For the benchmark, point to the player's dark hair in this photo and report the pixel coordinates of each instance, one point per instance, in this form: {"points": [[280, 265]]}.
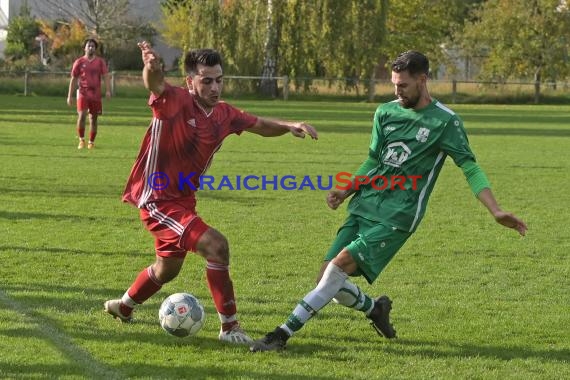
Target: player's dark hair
{"points": [[91, 40], [412, 61], [206, 57]]}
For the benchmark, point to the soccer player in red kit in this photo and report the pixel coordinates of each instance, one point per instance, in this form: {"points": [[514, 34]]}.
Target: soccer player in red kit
{"points": [[187, 128], [86, 75]]}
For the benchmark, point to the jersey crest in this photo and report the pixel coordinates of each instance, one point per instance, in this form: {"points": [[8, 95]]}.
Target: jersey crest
{"points": [[397, 153], [422, 135]]}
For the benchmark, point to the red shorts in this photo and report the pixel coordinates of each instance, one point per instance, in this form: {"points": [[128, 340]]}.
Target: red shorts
{"points": [[175, 226], [94, 106]]}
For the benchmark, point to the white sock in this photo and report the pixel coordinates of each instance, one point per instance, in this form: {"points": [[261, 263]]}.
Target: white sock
{"points": [[128, 301], [331, 282], [227, 319], [352, 296]]}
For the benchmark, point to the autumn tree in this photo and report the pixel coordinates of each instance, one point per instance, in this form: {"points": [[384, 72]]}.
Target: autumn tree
{"points": [[111, 22], [65, 39], [21, 39], [520, 40]]}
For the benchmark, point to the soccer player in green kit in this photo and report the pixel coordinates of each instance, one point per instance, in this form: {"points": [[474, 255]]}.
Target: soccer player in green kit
{"points": [[411, 138]]}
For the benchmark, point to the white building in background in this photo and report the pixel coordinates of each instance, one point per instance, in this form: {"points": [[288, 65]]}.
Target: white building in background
{"points": [[6, 10], [146, 9]]}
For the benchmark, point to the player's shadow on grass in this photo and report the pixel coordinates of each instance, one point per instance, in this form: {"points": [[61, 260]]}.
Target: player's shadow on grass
{"points": [[196, 370], [458, 349], [304, 345], [211, 371]]}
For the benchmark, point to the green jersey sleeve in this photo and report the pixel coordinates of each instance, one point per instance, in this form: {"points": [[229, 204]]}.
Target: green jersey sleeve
{"points": [[371, 161], [376, 137], [369, 164], [475, 177], [454, 141]]}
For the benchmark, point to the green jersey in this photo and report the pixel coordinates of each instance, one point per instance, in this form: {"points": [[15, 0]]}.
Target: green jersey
{"points": [[410, 147]]}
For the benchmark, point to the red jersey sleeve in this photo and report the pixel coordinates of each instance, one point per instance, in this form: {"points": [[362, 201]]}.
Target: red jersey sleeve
{"points": [[238, 120]]}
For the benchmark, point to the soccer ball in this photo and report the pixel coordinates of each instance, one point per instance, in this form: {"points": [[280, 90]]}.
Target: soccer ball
{"points": [[181, 314]]}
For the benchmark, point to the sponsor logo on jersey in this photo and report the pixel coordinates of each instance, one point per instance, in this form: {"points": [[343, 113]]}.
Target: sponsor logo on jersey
{"points": [[390, 128], [422, 135], [397, 153], [191, 122]]}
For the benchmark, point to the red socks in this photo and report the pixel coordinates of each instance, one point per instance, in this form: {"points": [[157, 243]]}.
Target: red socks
{"points": [[219, 283], [81, 134], [145, 285], [222, 290]]}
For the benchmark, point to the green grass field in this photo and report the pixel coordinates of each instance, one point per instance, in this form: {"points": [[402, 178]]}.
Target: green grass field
{"points": [[472, 300]]}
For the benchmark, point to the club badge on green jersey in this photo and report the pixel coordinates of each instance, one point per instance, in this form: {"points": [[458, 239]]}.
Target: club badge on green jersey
{"points": [[422, 135], [396, 154]]}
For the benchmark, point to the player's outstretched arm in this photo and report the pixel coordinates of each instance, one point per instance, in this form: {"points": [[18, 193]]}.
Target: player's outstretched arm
{"points": [[271, 128], [153, 76], [505, 218]]}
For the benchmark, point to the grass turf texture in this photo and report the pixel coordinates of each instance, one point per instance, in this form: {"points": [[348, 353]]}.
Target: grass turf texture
{"points": [[471, 299]]}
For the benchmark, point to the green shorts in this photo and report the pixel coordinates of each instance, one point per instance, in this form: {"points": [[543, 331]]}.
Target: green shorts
{"points": [[371, 244]]}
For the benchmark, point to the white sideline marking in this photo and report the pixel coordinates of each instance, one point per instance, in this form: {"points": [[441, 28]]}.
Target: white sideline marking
{"points": [[61, 341]]}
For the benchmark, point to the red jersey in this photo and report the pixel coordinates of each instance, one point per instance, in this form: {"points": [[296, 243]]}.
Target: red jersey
{"points": [[179, 146], [89, 73]]}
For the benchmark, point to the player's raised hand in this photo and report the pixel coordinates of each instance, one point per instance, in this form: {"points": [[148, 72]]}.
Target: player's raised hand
{"points": [[153, 76], [150, 58], [301, 129]]}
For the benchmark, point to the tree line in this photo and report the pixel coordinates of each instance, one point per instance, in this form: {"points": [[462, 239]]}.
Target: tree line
{"points": [[303, 39]]}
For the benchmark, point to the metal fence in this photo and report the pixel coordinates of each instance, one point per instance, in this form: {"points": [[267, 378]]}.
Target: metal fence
{"points": [[130, 84], [122, 83]]}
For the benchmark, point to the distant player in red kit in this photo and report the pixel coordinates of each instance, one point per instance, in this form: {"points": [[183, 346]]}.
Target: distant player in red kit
{"points": [[187, 128], [86, 77]]}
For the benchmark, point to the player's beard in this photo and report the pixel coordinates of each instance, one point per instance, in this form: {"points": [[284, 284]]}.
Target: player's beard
{"points": [[206, 102], [411, 101]]}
